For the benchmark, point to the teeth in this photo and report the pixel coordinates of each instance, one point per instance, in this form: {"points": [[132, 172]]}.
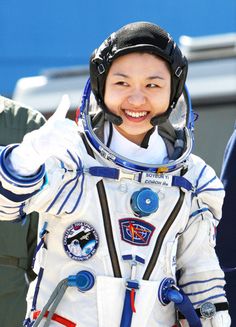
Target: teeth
{"points": [[136, 114]]}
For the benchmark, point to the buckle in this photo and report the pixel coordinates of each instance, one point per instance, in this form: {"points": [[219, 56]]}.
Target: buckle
{"points": [[124, 175], [132, 284], [178, 71], [101, 69]]}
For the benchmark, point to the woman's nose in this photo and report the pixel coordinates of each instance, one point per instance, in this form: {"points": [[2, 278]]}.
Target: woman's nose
{"points": [[137, 98]]}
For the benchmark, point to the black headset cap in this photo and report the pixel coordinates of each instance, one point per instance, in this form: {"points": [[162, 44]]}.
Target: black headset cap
{"points": [[138, 37]]}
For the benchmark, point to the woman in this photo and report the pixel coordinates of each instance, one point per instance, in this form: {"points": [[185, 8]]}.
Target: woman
{"points": [[124, 189]]}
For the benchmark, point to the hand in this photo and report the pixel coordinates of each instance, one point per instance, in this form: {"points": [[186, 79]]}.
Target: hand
{"points": [[220, 319], [54, 139]]}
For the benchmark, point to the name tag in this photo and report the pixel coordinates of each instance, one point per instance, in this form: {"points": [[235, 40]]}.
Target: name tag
{"points": [[160, 180]]}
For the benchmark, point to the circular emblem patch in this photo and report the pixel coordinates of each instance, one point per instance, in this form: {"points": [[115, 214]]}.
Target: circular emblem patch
{"points": [[80, 241]]}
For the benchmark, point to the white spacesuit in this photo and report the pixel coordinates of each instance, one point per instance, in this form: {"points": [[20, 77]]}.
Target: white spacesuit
{"points": [[121, 241]]}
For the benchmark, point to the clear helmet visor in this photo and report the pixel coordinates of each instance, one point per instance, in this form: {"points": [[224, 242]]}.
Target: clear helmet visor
{"points": [[182, 115], [181, 118]]}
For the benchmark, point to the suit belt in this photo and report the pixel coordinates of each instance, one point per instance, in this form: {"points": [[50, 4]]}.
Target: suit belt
{"points": [[13, 262]]}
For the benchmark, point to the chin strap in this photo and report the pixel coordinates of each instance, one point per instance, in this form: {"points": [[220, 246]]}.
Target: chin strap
{"points": [[158, 120], [114, 119]]}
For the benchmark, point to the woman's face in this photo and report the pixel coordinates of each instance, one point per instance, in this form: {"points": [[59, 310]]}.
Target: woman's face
{"points": [[137, 88]]}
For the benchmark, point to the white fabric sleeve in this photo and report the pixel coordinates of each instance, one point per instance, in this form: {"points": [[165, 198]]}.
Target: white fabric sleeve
{"points": [[201, 277]]}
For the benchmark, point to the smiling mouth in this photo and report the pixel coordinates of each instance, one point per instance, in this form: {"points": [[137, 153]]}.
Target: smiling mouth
{"points": [[136, 114]]}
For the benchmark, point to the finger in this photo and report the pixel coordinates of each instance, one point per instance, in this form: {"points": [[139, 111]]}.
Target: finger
{"points": [[62, 108]]}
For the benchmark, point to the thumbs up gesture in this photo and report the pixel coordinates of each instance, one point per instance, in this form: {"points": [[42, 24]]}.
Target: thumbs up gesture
{"points": [[61, 111], [58, 136]]}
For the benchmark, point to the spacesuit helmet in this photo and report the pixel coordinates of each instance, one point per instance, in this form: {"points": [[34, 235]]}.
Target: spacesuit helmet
{"points": [[175, 126], [138, 37]]}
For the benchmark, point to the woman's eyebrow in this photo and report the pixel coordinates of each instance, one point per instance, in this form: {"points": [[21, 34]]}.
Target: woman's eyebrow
{"points": [[155, 77], [148, 78], [121, 75]]}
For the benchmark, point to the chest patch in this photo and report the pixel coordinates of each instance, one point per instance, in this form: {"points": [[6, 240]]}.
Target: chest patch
{"points": [[136, 231], [80, 241]]}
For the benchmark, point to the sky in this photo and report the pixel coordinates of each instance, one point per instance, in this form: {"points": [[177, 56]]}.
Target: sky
{"points": [[36, 35]]}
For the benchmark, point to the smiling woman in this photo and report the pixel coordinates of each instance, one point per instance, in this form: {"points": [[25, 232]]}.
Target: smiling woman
{"points": [[137, 89], [122, 199]]}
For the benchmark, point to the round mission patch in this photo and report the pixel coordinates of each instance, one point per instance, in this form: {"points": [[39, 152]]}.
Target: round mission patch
{"points": [[80, 241]]}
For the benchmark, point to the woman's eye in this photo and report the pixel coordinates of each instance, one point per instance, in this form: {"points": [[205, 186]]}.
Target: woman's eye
{"points": [[152, 85], [122, 83]]}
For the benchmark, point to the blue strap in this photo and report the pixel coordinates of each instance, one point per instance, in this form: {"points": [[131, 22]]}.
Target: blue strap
{"points": [[37, 287], [106, 172], [127, 313], [127, 257], [41, 243], [139, 259], [180, 181], [38, 247], [131, 286], [114, 173], [187, 309], [168, 292]]}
